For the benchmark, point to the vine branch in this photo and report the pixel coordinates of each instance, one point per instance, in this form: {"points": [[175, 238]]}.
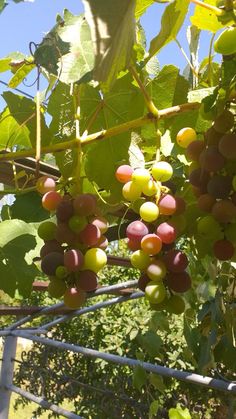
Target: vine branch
{"points": [[214, 9], [150, 105]]}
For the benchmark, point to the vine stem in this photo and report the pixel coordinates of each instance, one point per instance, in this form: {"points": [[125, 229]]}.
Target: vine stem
{"points": [[150, 105], [186, 58], [214, 9], [210, 60], [17, 191], [110, 132], [38, 130]]}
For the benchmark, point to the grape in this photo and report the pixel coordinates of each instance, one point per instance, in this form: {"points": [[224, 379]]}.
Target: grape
{"points": [[65, 209], [205, 202], [65, 235], [51, 200], [211, 159], [167, 204], [56, 287], [223, 249], [230, 233], [95, 259], [124, 173], [149, 211], [155, 293], [194, 150], [90, 235], [224, 122], [102, 243], [162, 171], [135, 206], [85, 204], [131, 191], [180, 205], [136, 231], [225, 43], [141, 177], [49, 247], [227, 146], [50, 263], [175, 260], [175, 304], [151, 244], [140, 260], [45, 184], [87, 281], [151, 188], [134, 244], [156, 271], [178, 281], [199, 178], [219, 186], [143, 281], [73, 260], [186, 136], [101, 223], [61, 272], [47, 230], [209, 228], [224, 211], [179, 223], [212, 137], [74, 298], [77, 223], [167, 232]]}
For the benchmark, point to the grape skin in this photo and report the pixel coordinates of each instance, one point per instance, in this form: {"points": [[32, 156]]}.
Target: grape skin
{"points": [[50, 263], [73, 260], [124, 173]]}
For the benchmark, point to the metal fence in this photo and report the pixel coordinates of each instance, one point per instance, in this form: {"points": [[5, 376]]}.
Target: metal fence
{"points": [[39, 334]]}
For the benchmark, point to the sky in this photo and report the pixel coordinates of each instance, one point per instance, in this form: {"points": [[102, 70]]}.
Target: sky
{"points": [[29, 21]]}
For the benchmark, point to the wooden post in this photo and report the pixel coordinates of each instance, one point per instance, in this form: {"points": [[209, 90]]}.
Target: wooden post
{"points": [[6, 375]]}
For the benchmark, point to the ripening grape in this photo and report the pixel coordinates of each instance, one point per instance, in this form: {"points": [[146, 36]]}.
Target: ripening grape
{"points": [[186, 136], [56, 287], [47, 230], [87, 281], [102, 243], [149, 211], [175, 260], [45, 184], [141, 177], [225, 121], [230, 233], [65, 235], [94, 259], [143, 281], [131, 191], [49, 247], [209, 228], [50, 263], [225, 43], [61, 272], [85, 204], [140, 260], [65, 209], [162, 171], [124, 173], [51, 200], [211, 159], [155, 293], [205, 202], [167, 204], [74, 298], [227, 146], [167, 232], [73, 260], [101, 223], [151, 188], [224, 211], [90, 235], [136, 231], [175, 304], [223, 249], [151, 244], [134, 244], [178, 281], [77, 223], [212, 137], [194, 150], [199, 178], [156, 271], [219, 186]]}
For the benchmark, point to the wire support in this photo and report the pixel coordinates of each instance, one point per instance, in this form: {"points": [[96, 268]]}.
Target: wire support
{"points": [[187, 376]]}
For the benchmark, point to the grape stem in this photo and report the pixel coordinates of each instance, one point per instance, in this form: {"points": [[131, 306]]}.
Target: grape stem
{"points": [[110, 132], [150, 105], [214, 9]]}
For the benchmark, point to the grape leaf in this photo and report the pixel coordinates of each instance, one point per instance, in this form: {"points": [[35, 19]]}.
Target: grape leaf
{"points": [[205, 19], [11, 132], [179, 413], [112, 26], [171, 22], [17, 238], [21, 205], [61, 108], [20, 74], [139, 377], [141, 7]]}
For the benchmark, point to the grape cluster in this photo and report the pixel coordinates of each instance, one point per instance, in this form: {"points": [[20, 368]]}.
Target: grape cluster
{"points": [[212, 175], [73, 251], [152, 237]]}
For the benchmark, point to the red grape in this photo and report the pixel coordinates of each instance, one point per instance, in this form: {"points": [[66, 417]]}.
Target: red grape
{"points": [[73, 260], [167, 232], [124, 173]]}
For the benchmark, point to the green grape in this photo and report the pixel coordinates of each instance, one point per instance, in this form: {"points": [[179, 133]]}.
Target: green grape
{"points": [[230, 233], [140, 260], [225, 44], [77, 223], [94, 259], [74, 298], [45, 184], [141, 177], [61, 272], [155, 293], [151, 188], [162, 171], [176, 304], [156, 271], [131, 191], [209, 228], [186, 136], [149, 211], [47, 230], [56, 287]]}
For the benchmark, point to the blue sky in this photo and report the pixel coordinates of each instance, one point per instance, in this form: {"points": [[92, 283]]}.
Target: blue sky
{"points": [[29, 21]]}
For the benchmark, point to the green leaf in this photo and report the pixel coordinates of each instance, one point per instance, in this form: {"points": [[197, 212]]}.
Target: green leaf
{"points": [[80, 60], [17, 238], [20, 74], [112, 26], [28, 207], [171, 22], [205, 19], [2, 5], [151, 343], [139, 377], [142, 6], [179, 413], [61, 108], [157, 382], [67, 162], [11, 132], [199, 94], [153, 409]]}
